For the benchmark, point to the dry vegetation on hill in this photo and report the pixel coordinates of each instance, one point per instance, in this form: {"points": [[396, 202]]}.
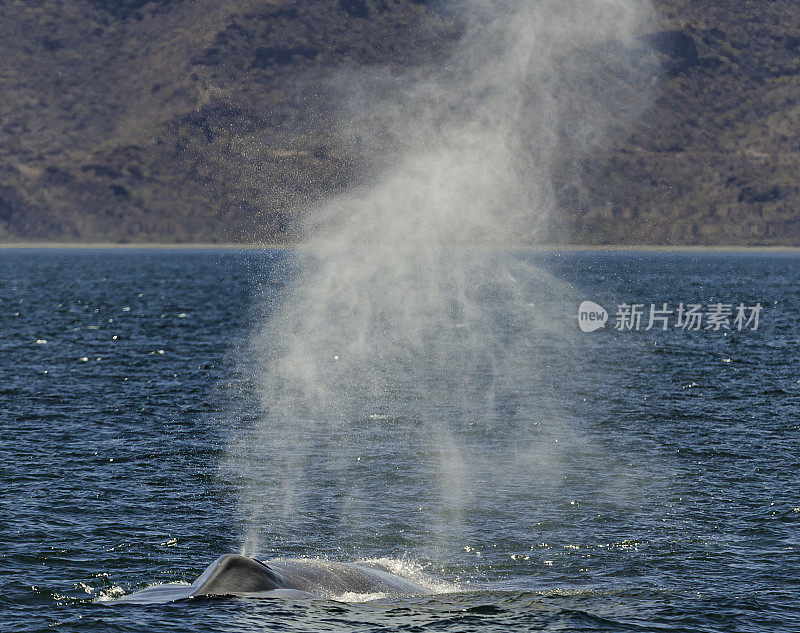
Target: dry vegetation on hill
{"points": [[212, 120]]}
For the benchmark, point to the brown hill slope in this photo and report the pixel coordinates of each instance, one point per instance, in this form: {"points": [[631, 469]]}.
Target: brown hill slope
{"points": [[716, 158], [212, 120]]}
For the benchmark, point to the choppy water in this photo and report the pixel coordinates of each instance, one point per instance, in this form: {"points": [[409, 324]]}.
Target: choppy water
{"points": [[677, 508]]}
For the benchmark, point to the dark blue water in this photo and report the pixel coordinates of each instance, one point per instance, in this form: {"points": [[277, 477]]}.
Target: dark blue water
{"points": [[675, 507]]}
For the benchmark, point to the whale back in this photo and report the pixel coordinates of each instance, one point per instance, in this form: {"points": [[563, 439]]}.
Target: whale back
{"points": [[331, 578], [229, 575], [234, 575]]}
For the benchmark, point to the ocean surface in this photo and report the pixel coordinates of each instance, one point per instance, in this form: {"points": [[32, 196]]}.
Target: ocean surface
{"points": [[661, 490]]}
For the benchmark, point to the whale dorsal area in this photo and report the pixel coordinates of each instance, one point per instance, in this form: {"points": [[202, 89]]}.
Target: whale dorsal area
{"points": [[235, 575]]}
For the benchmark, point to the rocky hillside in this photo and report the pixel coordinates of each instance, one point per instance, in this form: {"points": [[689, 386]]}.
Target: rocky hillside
{"points": [[715, 160], [211, 120]]}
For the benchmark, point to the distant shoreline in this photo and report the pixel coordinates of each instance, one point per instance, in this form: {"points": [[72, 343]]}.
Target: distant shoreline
{"points": [[271, 246], [200, 246]]}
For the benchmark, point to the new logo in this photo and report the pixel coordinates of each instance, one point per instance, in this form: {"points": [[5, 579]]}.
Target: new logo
{"points": [[591, 316]]}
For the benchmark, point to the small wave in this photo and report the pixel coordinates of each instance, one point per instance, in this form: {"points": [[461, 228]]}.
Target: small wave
{"points": [[109, 594], [350, 596], [414, 571]]}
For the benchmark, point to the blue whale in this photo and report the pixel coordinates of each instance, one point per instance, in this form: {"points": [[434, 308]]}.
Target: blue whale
{"points": [[240, 576]]}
